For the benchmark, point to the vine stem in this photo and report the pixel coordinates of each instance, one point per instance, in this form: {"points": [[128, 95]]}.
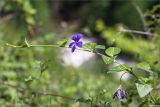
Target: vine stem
{"points": [[128, 70], [31, 45], [120, 80]]}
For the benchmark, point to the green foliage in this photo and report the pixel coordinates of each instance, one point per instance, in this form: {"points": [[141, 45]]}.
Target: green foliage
{"points": [[143, 89], [144, 66], [100, 47], [112, 51], [29, 72], [119, 68], [106, 59], [90, 46]]}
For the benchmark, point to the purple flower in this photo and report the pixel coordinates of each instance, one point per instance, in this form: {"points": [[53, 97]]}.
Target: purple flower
{"points": [[77, 43], [120, 94]]}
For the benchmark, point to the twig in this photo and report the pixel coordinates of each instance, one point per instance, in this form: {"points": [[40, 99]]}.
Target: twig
{"points": [[141, 16], [136, 31]]}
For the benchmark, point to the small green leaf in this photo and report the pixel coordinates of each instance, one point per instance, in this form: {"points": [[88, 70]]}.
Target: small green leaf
{"points": [[100, 47], [30, 20], [107, 59], [112, 51], [143, 89], [144, 66], [28, 79], [119, 68], [62, 43], [90, 46], [146, 80]]}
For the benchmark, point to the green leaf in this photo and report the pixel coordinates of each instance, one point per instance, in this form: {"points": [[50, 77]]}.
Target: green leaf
{"points": [[112, 51], [119, 68], [144, 66], [30, 20], [143, 89], [90, 46], [107, 59], [28, 79], [146, 80], [100, 47], [62, 43]]}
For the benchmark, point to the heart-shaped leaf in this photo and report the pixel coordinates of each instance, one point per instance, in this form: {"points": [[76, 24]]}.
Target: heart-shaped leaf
{"points": [[112, 51], [107, 59], [100, 47], [143, 89], [90, 46], [144, 66]]}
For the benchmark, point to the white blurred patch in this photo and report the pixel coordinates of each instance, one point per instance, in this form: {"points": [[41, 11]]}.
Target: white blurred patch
{"points": [[77, 58]]}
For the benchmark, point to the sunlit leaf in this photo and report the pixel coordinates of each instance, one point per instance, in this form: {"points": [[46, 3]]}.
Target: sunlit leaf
{"points": [[30, 20], [143, 89], [107, 59], [100, 47], [112, 51], [119, 68], [90, 46], [146, 80], [28, 79], [144, 66]]}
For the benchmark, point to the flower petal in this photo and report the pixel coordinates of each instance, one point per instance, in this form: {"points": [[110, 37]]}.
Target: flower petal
{"points": [[120, 94], [74, 37], [77, 37], [73, 48], [71, 44], [79, 44]]}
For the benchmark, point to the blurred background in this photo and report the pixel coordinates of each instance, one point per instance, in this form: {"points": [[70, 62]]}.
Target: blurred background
{"points": [[79, 74]]}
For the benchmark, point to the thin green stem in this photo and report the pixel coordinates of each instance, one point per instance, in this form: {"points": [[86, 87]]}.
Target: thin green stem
{"points": [[44, 46], [121, 77], [57, 46], [128, 70], [14, 46]]}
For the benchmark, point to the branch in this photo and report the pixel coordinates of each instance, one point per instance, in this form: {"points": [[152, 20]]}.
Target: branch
{"points": [[57, 46], [137, 32], [141, 16]]}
